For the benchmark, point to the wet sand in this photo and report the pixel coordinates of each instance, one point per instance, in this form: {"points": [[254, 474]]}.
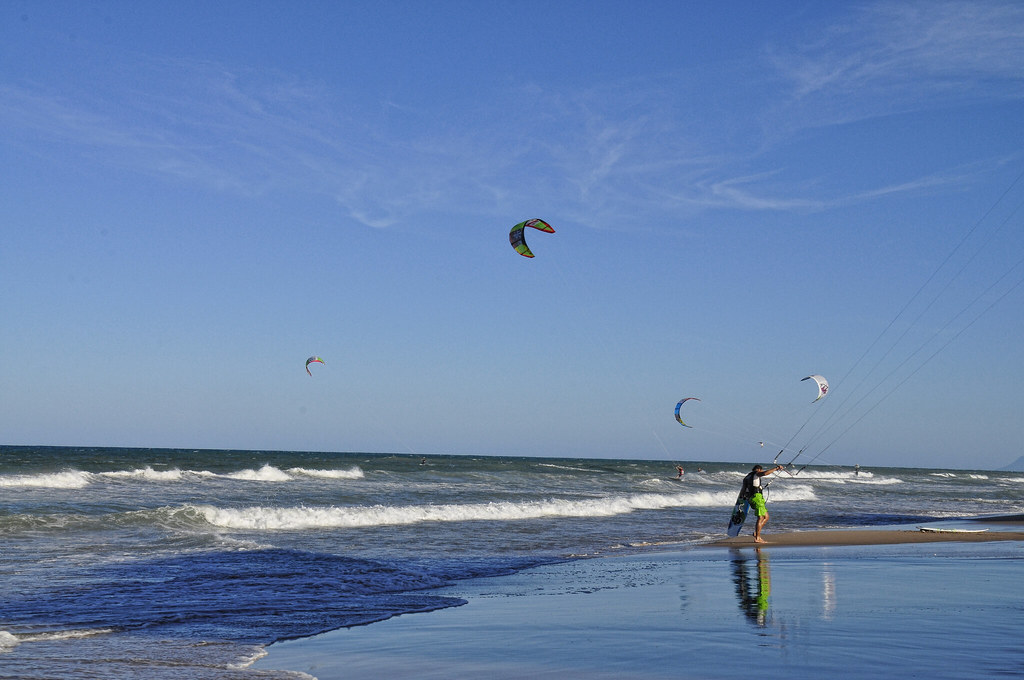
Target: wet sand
{"points": [[871, 537], [860, 603]]}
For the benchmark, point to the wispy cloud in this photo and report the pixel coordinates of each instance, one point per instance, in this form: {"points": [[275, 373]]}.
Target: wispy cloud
{"points": [[657, 145], [732, 192], [897, 56]]}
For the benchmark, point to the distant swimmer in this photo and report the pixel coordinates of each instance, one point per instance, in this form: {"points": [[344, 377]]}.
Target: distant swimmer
{"points": [[752, 491], [679, 472]]}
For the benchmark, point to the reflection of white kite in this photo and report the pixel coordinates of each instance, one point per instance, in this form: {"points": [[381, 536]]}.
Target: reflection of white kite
{"points": [[822, 385]]}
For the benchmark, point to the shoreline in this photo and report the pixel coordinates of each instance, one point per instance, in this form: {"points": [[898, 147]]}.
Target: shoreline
{"points": [[707, 605], [867, 537]]}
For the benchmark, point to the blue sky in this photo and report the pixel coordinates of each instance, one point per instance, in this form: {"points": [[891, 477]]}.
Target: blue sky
{"points": [[199, 196]]}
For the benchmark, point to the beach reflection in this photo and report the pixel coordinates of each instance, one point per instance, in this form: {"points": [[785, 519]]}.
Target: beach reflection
{"points": [[753, 582], [828, 592]]}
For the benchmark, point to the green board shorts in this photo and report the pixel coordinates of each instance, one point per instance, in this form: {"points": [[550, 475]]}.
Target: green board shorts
{"points": [[757, 503]]}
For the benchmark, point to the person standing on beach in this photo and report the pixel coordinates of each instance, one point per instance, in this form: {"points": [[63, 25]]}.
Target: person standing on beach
{"points": [[752, 491]]}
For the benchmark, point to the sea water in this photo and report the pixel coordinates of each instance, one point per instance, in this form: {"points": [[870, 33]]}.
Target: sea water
{"points": [[187, 564]]}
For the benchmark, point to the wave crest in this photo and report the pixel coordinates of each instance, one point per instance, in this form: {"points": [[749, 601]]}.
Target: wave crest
{"points": [[354, 473], [146, 473], [333, 517], [68, 479], [77, 479]]}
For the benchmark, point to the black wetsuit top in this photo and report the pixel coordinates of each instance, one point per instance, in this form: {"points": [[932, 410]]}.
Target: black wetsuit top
{"points": [[749, 489]]}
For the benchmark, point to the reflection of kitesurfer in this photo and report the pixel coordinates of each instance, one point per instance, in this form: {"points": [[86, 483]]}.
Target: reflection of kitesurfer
{"points": [[752, 489], [754, 596], [679, 472]]}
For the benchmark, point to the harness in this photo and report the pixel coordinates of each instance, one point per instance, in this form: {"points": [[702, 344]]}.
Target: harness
{"points": [[750, 489]]}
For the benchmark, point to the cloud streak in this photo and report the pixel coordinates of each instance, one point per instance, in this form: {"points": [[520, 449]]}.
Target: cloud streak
{"points": [[893, 57], [638, 148]]}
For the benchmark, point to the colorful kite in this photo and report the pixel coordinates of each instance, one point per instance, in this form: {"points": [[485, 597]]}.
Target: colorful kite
{"points": [[822, 385], [517, 237], [311, 360], [679, 406]]}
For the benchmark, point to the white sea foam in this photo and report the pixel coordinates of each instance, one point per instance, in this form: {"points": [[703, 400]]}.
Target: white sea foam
{"points": [[256, 654], [845, 477], [299, 518], [67, 634], [267, 473], [826, 474], [792, 492], [7, 641], [68, 479], [564, 467], [147, 473], [354, 473], [77, 479], [248, 658], [879, 481]]}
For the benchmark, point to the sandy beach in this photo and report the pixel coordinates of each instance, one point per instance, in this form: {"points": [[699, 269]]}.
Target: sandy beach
{"points": [[864, 603], [853, 537]]}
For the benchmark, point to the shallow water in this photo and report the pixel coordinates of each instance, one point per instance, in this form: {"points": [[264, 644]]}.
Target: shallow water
{"points": [[938, 611]]}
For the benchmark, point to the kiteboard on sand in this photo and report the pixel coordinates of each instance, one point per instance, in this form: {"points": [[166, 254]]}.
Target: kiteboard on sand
{"points": [[939, 530], [739, 515]]}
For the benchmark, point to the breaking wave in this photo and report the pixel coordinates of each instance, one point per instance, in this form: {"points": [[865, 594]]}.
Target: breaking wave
{"points": [[78, 479], [302, 517], [69, 479]]}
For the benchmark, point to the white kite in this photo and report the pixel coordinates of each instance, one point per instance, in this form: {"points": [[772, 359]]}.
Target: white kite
{"points": [[822, 385]]}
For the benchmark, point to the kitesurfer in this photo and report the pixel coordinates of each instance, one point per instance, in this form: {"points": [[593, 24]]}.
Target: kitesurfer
{"points": [[752, 491], [679, 471]]}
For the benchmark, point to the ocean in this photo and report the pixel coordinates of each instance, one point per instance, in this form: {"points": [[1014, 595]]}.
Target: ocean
{"points": [[183, 564]]}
